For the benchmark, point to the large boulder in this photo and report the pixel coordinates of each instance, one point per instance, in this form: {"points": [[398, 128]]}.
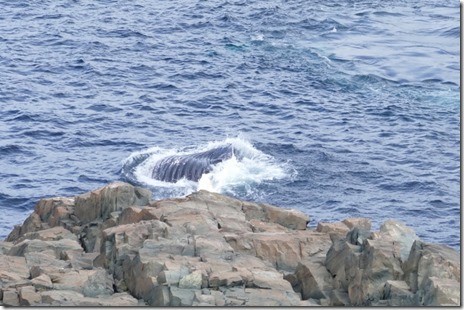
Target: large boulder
{"points": [[427, 261], [100, 203]]}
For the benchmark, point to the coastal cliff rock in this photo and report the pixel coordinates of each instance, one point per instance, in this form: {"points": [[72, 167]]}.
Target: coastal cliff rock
{"points": [[115, 247]]}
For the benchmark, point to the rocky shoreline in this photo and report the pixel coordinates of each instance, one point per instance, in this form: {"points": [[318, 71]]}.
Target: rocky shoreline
{"points": [[115, 247]]}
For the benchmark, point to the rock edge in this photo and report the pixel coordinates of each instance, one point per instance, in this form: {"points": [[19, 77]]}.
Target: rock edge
{"points": [[115, 247]]}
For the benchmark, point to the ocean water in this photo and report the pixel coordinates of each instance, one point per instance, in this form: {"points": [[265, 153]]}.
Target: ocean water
{"points": [[344, 108]]}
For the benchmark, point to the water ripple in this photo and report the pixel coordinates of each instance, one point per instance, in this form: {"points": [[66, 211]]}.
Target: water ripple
{"points": [[358, 98]]}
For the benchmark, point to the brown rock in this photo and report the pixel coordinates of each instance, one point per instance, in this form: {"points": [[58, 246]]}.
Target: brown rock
{"points": [[283, 250], [90, 283], [100, 203], [340, 252], [61, 298], [267, 298], [80, 260], [226, 278], [314, 278], [379, 263], [37, 245], [359, 222], [207, 247], [289, 218], [133, 215], [14, 268], [31, 223], [337, 230], [259, 226], [46, 259], [42, 283], [28, 296], [46, 207], [270, 279], [430, 260], [51, 234]]}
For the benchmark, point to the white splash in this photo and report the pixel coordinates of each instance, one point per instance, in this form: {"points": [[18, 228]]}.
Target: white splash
{"points": [[245, 171]]}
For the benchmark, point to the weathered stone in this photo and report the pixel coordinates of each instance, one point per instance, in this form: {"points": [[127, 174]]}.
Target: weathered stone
{"points": [[234, 296], [194, 221], [116, 196], [361, 223], [28, 296], [90, 283], [191, 281], [314, 278], [45, 259], [80, 260], [13, 268], [10, 298], [283, 250], [115, 300], [358, 236], [45, 207], [219, 298], [5, 247], [91, 236], [225, 278], [37, 245], [256, 297], [260, 226], [61, 298], [211, 250], [31, 223], [379, 262], [430, 260], [338, 298], [160, 297], [133, 215], [42, 282], [212, 247], [289, 218], [51, 234], [397, 293], [226, 224], [336, 230], [181, 297], [269, 279], [402, 236], [202, 299], [254, 211], [441, 292]]}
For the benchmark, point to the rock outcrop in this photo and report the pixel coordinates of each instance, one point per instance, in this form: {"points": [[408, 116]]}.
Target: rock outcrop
{"points": [[115, 247]]}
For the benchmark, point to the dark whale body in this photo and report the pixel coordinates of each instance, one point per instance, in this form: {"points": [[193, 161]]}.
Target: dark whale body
{"points": [[190, 166]]}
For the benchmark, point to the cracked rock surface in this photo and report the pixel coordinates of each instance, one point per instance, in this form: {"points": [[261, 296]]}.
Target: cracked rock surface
{"points": [[115, 247]]}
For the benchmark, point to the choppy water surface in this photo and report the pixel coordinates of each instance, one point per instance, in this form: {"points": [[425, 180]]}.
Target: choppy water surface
{"points": [[346, 108]]}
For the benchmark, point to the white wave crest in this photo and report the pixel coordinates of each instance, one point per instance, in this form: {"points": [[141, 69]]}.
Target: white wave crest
{"points": [[239, 173]]}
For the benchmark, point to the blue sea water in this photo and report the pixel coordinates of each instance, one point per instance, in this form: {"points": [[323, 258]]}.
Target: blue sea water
{"points": [[345, 108]]}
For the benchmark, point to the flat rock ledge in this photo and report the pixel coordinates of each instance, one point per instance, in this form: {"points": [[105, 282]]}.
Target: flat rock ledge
{"points": [[115, 247]]}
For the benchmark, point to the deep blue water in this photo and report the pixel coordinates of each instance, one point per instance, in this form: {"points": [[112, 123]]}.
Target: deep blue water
{"points": [[346, 108]]}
